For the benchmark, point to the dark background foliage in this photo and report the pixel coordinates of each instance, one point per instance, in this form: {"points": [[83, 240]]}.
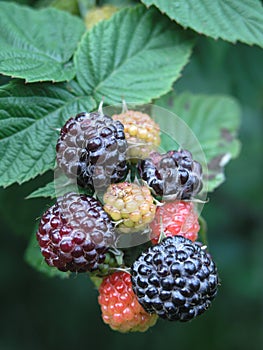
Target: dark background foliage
{"points": [[43, 313]]}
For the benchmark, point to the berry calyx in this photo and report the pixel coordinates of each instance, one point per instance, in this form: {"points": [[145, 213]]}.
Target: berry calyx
{"points": [[175, 218], [75, 234], [129, 204], [120, 307], [176, 279]]}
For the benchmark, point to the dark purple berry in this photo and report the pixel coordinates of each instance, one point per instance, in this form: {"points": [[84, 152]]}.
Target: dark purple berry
{"points": [[173, 175], [92, 149], [67, 241]]}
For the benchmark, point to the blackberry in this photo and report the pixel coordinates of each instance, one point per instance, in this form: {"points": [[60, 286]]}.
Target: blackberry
{"points": [[175, 218], [75, 234], [173, 175], [92, 148], [130, 204], [141, 131], [176, 279], [120, 307]]}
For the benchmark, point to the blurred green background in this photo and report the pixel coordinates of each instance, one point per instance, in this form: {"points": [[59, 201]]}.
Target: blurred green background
{"points": [[41, 313]]}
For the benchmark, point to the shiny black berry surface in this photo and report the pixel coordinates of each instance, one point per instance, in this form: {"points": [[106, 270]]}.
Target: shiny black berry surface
{"points": [[176, 279], [173, 175]]}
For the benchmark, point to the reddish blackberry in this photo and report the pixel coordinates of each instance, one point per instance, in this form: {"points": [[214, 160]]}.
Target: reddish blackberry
{"points": [[175, 218], [120, 307], [75, 233], [92, 148], [173, 175], [176, 279]]}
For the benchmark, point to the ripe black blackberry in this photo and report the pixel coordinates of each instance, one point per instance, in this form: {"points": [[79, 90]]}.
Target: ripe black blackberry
{"points": [[75, 234], [177, 279], [173, 175], [92, 148]]}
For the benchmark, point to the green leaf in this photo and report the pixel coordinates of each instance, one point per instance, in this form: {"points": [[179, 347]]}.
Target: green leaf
{"points": [[35, 259], [231, 20], [30, 119], [214, 120], [47, 191], [137, 54], [70, 6], [118, 3], [37, 45], [58, 187]]}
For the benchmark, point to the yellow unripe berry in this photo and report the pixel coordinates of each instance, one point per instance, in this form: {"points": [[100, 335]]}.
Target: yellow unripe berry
{"points": [[131, 205]]}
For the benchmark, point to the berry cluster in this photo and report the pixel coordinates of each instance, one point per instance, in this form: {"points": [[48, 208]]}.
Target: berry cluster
{"points": [[130, 190]]}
